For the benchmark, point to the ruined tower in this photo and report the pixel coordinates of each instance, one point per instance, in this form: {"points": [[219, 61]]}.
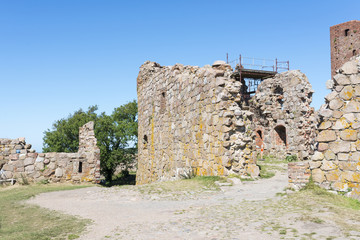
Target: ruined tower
{"points": [[344, 42]]}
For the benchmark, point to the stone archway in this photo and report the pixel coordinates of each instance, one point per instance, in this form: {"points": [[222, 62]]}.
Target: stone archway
{"points": [[280, 136], [259, 139]]}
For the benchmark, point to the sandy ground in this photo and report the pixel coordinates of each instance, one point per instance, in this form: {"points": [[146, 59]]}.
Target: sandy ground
{"points": [[247, 210]]}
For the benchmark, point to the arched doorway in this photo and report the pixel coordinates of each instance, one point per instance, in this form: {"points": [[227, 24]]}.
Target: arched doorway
{"points": [[280, 136], [259, 139]]}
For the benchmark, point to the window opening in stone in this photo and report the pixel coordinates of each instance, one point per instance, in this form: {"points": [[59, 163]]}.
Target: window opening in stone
{"points": [[162, 102], [145, 139], [278, 90], [281, 102], [354, 52], [80, 167], [347, 32], [280, 135]]}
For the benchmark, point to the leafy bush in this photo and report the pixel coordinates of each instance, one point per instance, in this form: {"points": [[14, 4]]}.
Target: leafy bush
{"points": [[291, 158]]}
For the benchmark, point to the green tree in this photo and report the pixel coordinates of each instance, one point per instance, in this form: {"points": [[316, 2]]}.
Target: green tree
{"points": [[117, 138], [116, 135], [64, 136]]}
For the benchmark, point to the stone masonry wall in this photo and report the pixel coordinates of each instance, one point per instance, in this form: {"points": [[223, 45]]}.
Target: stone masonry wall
{"points": [[190, 120], [20, 161], [284, 121], [336, 163], [298, 174]]}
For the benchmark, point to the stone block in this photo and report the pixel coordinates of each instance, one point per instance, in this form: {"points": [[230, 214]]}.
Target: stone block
{"points": [[318, 156], [331, 96], [343, 156], [325, 125], [341, 79], [253, 170], [326, 136], [352, 106], [322, 147], [39, 159], [347, 93], [8, 167], [336, 104], [326, 113], [329, 84], [349, 135], [58, 172], [341, 124], [355, 79], [30, 168], [52, 165], [349, 68], [340, 147], [318, 175], [314, 164], [329, 155], [29, 161], [355, 156], [357, 91], [348, 166], [332, 175], [39, 165], [328, 165], [350, 117], [340, 186], [351, 176], [337, 114]]}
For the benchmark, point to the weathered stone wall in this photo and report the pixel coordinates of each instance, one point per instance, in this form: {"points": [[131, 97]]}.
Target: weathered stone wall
{"points": [[190, 120], [336, 163], [284, 121], [298, 174], [20, 161], [345, 43]]}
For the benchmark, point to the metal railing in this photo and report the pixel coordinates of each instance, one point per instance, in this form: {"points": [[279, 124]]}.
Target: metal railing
{"points": [[258, 64]]}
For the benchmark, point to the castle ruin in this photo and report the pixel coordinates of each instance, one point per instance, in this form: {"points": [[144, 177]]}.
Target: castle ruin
{"points": [[18, 161], [197, 120], [208, 121]]}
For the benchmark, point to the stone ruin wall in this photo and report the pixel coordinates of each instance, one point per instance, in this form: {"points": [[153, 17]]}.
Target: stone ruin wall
{"points": [[285, 123], [336, 163], [18, 160], [190, 120]]}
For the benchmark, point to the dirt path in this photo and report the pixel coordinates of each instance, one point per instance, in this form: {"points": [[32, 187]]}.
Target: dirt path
{"points": [[248, 210]]}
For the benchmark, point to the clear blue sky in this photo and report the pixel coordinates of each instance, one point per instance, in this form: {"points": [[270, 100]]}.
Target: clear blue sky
{"points": [[59, 56]]}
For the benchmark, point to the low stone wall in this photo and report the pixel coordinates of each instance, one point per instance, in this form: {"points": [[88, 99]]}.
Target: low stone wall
{"points": [[299, 174], [20, 161]]}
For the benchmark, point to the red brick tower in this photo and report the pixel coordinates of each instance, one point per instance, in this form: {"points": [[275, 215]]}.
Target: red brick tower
{"points": [[344, 42]]}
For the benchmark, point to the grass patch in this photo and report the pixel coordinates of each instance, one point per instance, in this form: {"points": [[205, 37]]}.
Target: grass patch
{"points": [[270, 165], [331, 198], [22, 221]]}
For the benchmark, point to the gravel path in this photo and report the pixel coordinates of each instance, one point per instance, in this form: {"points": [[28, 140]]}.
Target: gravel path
{"points": [[247, 210]]}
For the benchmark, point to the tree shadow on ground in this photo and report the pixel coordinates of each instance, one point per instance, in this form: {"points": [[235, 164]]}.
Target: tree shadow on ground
{"points": [[124, 178]]}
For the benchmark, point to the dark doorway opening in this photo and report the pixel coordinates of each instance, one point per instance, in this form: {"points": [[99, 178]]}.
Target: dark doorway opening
{"points": [[80, 167], [280, 137]]}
